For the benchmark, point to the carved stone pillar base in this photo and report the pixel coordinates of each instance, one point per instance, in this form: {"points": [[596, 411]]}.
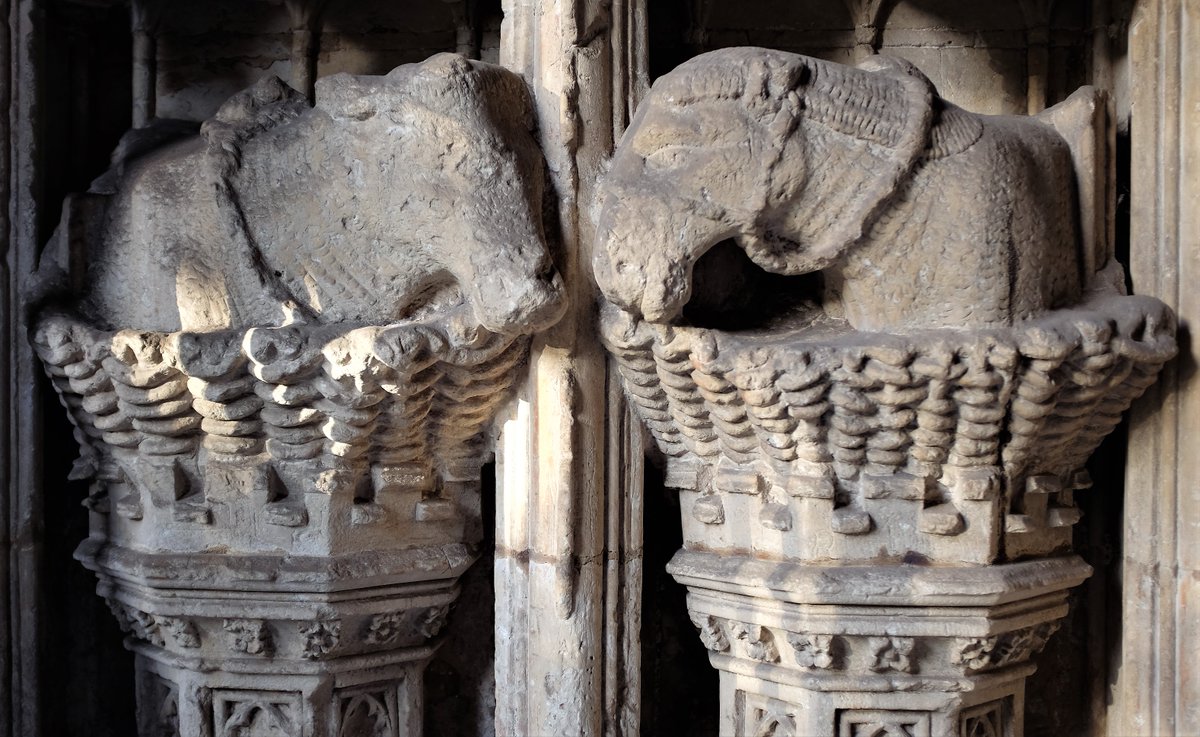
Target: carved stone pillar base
{"points": [[221, 703], [273, 645], [286, 418], [874, 651]]}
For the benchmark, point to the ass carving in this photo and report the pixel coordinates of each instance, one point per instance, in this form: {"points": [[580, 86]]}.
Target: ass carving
{"points": [[876, 338]]}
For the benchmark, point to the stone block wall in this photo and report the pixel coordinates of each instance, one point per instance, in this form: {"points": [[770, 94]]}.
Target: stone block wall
{"points": [[980, 55]]}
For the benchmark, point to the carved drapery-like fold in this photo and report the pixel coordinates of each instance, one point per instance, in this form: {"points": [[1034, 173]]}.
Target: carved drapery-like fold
{"points": [[929, 394]]}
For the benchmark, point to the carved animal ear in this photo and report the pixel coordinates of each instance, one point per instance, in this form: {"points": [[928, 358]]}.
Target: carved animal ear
{"points": [[502, 92], [348, 97], [896, 66], [264, 105], [505, 94], [883, 113], [249, 107]]}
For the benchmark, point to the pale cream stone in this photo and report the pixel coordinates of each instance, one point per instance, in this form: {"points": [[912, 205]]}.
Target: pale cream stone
{"points": [[878, 468]]}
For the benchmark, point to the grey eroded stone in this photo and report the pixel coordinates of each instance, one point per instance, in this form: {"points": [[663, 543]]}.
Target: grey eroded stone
{"points": [[958, 361], [918, 213], [924, 400], [367, 208], [296, 330]]}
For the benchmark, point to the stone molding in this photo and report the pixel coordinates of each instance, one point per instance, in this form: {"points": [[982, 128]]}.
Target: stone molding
{"points": [[1153, 679]]}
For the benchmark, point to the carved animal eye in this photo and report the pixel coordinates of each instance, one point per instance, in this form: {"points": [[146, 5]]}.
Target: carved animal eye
{"points": [[669, 156]]}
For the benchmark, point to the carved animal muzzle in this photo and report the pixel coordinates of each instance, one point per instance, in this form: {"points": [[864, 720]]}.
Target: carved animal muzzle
{"points": [[510, 302]]}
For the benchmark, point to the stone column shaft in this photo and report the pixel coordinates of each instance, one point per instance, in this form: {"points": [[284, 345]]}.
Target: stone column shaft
{"points": [[1157, 677], [146, 18]]}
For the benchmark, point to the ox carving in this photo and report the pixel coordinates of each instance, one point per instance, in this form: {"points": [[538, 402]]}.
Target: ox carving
{"points": [[365, 209], [876, 338], [323, 299], [285, 342]]}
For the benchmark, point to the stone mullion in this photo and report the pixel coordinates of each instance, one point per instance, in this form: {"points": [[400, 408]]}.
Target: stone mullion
{"points": [[551, 570], [1156, 675], [146, 16], [20, 405], [306, 21]]}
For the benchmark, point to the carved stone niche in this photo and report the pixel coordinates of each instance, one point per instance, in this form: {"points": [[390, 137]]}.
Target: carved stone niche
{"points": [[295, 330], [876, 337]]}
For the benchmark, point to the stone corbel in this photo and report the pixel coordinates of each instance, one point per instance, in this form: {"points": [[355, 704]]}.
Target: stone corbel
{"points": [[296, 330], [876, 341]]}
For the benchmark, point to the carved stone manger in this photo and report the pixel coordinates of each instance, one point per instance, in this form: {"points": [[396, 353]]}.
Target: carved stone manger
{"points": [[296, 330], [874, 335]]}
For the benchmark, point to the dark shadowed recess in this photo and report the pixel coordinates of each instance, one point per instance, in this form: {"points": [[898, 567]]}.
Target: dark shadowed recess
{"points": [[731, 292], [87, 674], [460, 681], [679, 686]]}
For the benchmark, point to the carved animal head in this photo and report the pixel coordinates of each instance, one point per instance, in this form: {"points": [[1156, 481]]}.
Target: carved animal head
{"points": [[792, 157], [401, 191]]}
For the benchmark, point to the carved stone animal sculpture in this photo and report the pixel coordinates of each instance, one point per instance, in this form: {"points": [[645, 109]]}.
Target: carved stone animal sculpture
{"points": [[918, 213], [363, 209]]}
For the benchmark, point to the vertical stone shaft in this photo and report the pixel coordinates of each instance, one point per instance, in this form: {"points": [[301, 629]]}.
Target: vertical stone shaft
{"points": [[303, 60], [549, 536], [305, 17], [1038, 63], [145, 76], [22, 501], [466, 29], [1157, 686], [567, 552]]}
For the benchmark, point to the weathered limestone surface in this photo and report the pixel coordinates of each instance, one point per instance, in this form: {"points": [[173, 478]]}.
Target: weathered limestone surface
{"points": [[568, 521], [1156, 679], [297, 327], [727, 148], [877, 459], [202, 53]]}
